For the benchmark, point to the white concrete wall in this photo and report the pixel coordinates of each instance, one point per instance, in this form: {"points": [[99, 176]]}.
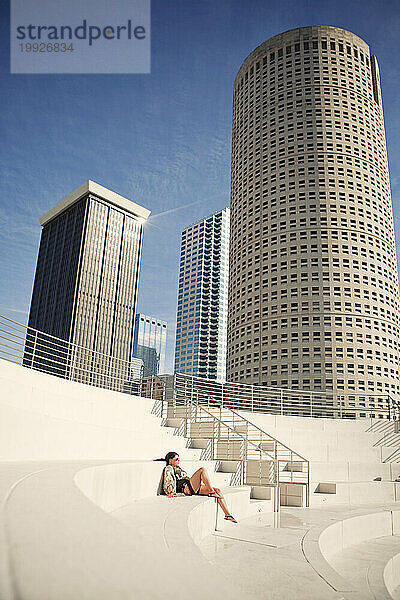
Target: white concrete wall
{"points": [[44, 417], [355, 530], [391, 575], [324, 440]]}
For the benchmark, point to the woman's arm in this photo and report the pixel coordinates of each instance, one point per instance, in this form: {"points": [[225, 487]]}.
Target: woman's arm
{"points": [[169, 481]]}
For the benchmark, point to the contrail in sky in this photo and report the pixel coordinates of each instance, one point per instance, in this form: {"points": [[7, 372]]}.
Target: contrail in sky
{"points": [[167, 212], [16, 310]]}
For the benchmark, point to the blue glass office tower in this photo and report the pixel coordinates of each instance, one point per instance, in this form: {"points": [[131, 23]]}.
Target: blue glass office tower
{"points": [[149, 343], [203, 298]]}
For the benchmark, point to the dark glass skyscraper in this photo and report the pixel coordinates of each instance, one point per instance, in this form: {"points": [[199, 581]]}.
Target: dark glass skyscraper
{"points": [[87, 274]]}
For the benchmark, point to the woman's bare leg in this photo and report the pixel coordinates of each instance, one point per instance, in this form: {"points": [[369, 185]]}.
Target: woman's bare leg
{"points": [[199, 477], [201, 481], [219, 496], [221, 502]]}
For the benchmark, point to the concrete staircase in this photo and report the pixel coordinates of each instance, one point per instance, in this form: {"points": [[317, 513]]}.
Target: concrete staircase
{"points": [[387, 438], [194, 453], [351, 461]]}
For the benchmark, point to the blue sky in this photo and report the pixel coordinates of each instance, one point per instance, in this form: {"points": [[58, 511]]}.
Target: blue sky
{"points": [[162, 140]]}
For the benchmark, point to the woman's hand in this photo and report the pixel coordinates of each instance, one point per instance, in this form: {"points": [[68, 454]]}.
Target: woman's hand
{"points": [[186, 490], [170, 492]]}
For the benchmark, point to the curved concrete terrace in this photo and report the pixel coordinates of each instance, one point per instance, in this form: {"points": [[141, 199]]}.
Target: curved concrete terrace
{"points": [[92, 532], [87, 525], [303, 554], [391, 576]]}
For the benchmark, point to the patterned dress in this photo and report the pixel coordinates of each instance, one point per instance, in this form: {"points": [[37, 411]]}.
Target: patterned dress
{"points": [[170, 478]]}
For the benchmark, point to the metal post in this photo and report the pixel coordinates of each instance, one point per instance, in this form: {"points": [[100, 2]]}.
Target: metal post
{"points": [[252, 398], [34, 348], [222, 395], [281, 393], [141, 380], [108, 374], [311, 403], [216, 514], [73, 363], [291, 467]]}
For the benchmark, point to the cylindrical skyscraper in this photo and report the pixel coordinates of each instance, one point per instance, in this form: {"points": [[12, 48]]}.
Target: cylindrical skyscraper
{"points": [[313, 291]]}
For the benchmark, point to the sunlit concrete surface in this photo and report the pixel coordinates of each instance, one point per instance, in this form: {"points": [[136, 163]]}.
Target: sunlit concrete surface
{"points": [[60, 542], [269, 556], [72, 456], [47, 418], [391, 576], [347, 453], [80, 519]]}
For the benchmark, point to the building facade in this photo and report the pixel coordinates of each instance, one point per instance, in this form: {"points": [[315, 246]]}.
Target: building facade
{"points": [[203, 298], [313, 293], [150, 342], [86, 279]]}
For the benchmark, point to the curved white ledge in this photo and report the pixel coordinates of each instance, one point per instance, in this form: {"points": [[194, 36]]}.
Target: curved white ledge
{"points": [[321, 545], [92, 532], [391, 574]]}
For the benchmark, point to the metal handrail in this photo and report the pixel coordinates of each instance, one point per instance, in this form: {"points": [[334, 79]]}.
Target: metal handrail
{"points": [[47, 353], [188, 411], [269, 435], [280, 401], [237, 433]]}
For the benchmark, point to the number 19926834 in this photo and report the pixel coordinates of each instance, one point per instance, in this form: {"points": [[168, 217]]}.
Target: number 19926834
{"points": [[43, 47]]}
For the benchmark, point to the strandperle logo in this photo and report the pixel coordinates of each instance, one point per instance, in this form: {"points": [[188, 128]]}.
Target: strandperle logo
{"points": [[53, 36], [86, 31]]}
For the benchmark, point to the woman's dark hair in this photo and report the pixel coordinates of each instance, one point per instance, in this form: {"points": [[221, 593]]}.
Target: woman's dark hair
{"points": [[167, 457]]}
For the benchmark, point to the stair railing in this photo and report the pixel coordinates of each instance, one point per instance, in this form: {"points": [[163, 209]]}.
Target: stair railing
{"points": [[292, 466], [261, 459]]}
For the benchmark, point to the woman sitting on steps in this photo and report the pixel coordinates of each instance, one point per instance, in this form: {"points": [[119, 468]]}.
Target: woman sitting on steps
{"points": [[175, 480]]}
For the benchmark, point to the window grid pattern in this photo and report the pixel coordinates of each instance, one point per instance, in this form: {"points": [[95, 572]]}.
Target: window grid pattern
{"points": [[313, 293], [86, 282], [202, 312]]}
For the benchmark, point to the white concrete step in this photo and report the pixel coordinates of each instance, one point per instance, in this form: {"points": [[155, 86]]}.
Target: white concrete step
{"points": [[174, 423], [228, 466], [258, 507], [220, 479], [349, 471], [395, 470], [198, 443], [391, 454], [261, 492], [189, 454], [356, 493], [333, 454], [386, 437], [324, 426]]}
